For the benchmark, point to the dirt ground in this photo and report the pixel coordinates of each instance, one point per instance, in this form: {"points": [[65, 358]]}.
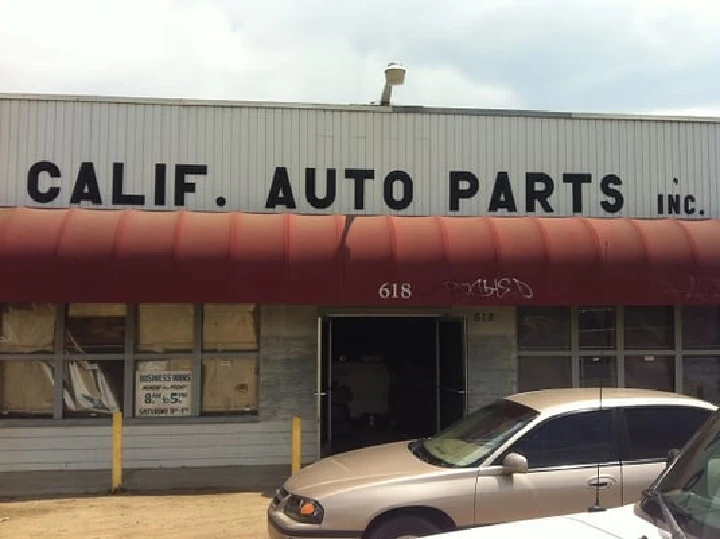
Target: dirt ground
{"points": [[239, 515]]}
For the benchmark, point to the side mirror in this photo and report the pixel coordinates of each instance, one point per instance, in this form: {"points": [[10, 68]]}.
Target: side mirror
{"points": [[514, 463], [671, 456]]}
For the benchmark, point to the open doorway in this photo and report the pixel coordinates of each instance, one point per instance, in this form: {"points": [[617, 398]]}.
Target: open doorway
{"points": [[385, 379]]}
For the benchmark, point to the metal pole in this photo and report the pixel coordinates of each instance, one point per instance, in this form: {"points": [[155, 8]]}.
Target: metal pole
{"points": [[438, 410], [117, 427], [296, 449]]}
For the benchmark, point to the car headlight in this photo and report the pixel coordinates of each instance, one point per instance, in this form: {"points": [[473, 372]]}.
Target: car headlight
{"points": [[304, 510]]}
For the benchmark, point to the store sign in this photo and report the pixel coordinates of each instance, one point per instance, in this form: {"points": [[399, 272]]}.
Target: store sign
{"points": [[264, 159], [350, 190], [162, 393]]}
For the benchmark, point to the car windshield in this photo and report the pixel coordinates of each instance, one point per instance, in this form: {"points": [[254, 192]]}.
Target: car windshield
{"points": [[686, 496], [473, 438]]}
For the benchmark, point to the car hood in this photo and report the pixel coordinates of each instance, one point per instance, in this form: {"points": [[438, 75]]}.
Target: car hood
{"points": [[361, 467], [619, 523]]}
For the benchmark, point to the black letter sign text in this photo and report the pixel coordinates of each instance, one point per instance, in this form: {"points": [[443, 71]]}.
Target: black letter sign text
{"points": [[33, 182], [459, 191]]}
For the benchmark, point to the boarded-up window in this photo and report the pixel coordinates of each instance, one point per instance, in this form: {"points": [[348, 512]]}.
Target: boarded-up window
{"points": [[229, 327], [26, 389], [229, 385], [165, 327], [27, 328]]}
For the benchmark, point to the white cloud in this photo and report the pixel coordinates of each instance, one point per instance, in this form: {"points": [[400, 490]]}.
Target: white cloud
{"points": [[465, 53], [704, 112], [440, 86], [194, 49]]}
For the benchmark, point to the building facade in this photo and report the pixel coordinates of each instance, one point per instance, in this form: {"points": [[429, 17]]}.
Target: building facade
{"points": [[212, 269]]}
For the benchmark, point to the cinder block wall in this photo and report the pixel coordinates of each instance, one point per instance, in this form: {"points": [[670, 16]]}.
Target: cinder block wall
{"points": [[288, 369], [491, 354]]}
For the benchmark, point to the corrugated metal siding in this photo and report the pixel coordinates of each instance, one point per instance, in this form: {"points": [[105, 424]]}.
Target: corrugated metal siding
{"points": [[161, 446], [242, 146]]}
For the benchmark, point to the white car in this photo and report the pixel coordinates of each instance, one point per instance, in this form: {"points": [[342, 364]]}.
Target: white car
{"points": [[682, 503], [618, 523]]}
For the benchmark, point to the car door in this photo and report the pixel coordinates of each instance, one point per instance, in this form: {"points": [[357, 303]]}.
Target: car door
{"points": [[568, 455], [649, 432]]}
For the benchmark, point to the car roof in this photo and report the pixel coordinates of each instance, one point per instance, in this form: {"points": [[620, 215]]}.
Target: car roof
{"points": [[551, 401]]}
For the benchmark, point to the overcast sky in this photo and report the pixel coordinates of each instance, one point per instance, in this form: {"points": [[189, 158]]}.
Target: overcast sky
{"points": [[581, 55]]}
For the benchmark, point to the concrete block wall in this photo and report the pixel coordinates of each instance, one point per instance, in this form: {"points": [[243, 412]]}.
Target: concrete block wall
{"points": [[491, 354], [288, 369]]}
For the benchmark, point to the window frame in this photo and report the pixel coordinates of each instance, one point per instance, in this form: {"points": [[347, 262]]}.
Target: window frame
{"points": [[521, 357], [619, 351], [614, 433], [575, 317], [682, 322], [116, 354], [130, 357], [571, 329]]}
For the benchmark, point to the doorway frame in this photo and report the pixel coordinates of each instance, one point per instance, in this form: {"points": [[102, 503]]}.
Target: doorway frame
{"points": [[322, 396]]}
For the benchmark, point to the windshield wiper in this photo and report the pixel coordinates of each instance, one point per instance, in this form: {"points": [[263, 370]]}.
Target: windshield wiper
{"points": [[676, 531], [418, 449]]}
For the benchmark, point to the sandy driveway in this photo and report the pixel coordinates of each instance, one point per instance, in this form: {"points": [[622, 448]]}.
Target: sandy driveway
{"points": [[240, 515]]}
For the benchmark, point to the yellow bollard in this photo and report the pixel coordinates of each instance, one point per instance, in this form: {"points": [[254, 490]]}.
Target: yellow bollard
{"points": [[116, 451], [296, 448]]}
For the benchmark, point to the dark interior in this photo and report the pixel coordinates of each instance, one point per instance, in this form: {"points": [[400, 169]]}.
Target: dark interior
{"points": [[383, 380]]}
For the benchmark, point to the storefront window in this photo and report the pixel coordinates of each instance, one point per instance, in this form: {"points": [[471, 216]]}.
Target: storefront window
{"points": [[163, 388], [649, 328], [93, 360], [165, 328], [597, 327], [650, 372], [598, 370], [95, 328], [701, 377], [229, 328], [27, 328], [543, 372], [229, 386], [26, 389], [543, 328], [701, 327], [93, 388]]}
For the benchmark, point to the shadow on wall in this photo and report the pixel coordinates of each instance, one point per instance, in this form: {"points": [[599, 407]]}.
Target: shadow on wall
{"points": [[15, 486]]}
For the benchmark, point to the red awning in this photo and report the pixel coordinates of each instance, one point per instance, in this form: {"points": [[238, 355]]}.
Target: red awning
{"points": [[143, 256]]}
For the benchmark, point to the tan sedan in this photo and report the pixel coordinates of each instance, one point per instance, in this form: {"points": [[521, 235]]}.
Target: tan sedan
{"points": [[541, 453]]}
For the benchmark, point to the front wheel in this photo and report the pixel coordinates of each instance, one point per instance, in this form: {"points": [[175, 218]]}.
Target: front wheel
{"points": [[404, 527]]}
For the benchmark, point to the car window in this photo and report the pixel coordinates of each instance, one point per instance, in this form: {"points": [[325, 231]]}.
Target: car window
{"points": [[569, 440], [689, 489], [652, 431], [470, 440]]}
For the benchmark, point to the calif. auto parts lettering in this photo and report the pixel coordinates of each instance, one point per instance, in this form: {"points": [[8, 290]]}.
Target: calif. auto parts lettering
{"points": [[46, 181]]}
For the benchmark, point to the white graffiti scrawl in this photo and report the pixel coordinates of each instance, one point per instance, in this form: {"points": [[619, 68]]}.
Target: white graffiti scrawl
{"points": [[693, 289], [497, 287]]}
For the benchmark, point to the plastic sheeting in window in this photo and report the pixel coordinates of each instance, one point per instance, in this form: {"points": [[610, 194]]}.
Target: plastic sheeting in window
{"points": [[87, 388]]}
